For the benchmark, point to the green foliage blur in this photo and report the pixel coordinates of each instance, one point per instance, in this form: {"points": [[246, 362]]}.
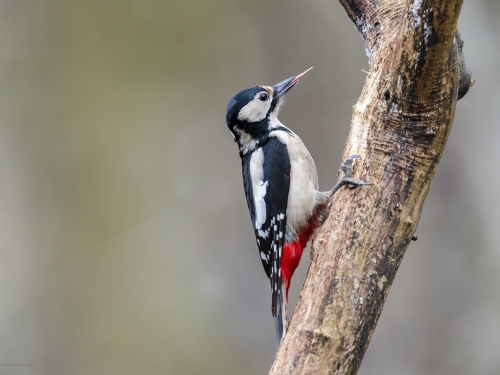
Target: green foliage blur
{"points": [[126, 245]]}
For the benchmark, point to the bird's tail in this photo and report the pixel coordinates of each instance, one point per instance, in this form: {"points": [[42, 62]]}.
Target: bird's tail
{"points": [[281, 316]]}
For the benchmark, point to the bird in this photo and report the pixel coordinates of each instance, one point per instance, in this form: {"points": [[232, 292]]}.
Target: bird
{"points": [[281, 186]]}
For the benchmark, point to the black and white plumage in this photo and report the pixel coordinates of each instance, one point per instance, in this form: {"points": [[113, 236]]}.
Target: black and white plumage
{"points": [[281, 186]]}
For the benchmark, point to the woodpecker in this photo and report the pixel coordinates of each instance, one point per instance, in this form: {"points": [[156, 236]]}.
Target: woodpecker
{"points": [[281, 186]]}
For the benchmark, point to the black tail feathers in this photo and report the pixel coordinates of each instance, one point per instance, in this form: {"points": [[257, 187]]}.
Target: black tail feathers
{"points": [[281, 317]]}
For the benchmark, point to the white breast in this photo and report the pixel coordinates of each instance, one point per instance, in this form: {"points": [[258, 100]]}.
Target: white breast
{"points": [[303, 181]]}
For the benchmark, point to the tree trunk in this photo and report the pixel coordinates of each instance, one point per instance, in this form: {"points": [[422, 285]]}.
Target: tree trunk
{"points": [[399, 127]]}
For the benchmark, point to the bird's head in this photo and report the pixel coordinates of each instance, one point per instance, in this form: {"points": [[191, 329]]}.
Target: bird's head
{"points": [[253, 113]]}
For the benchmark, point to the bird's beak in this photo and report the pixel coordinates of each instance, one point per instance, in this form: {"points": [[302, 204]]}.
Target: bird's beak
{"points": [[282, 88]]}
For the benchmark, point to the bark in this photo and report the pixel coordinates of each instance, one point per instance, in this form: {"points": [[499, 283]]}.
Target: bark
{"points": [[399, 127]]}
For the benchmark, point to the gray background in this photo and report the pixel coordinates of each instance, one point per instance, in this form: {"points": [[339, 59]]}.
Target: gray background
{"points": [[126, 246]]}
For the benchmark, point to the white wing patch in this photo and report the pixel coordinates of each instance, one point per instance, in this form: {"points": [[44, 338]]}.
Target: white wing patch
{"points": [[263, 233], [259, 187]]}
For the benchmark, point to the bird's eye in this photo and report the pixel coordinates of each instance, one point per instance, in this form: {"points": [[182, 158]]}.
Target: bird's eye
{"points": [[263, 96]]}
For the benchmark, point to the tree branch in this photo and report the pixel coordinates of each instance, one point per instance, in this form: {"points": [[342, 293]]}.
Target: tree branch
{"points": [[399, 127]]}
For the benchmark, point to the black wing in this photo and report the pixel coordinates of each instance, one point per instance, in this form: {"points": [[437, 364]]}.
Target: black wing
{"points": [[269, 220]]}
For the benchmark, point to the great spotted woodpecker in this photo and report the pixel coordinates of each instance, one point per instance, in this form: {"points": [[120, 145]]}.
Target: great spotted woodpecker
{"points": [[281, 186]]}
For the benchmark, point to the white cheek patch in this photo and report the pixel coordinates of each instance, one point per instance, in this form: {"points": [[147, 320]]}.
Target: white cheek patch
{"points": [[259, 187], [254, 111]]}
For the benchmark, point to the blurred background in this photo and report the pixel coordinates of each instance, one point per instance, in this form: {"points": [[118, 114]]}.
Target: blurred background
{"points": [[126, 246]]}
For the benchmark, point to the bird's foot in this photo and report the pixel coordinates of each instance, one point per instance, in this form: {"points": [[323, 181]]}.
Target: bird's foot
{"points": [[347, 167]]}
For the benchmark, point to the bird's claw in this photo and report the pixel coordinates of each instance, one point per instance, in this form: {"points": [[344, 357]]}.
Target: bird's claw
{"points": [[347, 167], [352, 183]]}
